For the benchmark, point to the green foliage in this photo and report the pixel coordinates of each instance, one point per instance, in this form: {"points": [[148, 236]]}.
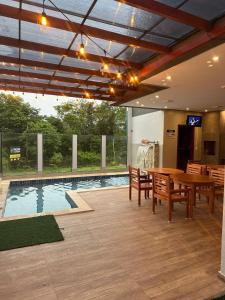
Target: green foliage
{"points": [[15, 113], [56, 159], [88, 158], [88, 119]]}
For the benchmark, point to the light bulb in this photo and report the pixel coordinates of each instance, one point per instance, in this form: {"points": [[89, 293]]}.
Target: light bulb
{"points": [[87, 95], [43, 19], [105, 66], [112, 90], [119, 75], [82, 50], [132, 79]]}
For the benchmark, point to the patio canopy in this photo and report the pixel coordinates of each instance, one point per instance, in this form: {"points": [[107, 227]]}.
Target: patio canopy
{"points": [[132, 38]]}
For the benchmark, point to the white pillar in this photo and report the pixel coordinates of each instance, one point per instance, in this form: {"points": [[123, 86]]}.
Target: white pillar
{"points": [[40, 152], [129, 136], [74, 152], [222, 266], [103, 151]]}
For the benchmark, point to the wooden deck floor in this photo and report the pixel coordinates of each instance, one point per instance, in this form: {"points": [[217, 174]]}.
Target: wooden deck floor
{"points": [[119, 252]]}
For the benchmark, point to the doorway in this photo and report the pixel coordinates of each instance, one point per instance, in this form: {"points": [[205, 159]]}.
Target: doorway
{"points": [[185, 146]]}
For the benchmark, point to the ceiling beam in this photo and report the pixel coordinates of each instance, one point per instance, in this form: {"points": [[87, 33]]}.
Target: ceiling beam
{"points": [[41, 91], [30, 75], [51, 66], [50, 86], [187, 49], [33, 46], [167, 11], [32, 17]]}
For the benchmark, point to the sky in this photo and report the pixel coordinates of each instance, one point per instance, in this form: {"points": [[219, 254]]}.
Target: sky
{"points": [[45, 103]]}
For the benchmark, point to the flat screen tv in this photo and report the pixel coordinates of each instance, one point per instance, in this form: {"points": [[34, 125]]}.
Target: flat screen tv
{"points": [[195, 121]]}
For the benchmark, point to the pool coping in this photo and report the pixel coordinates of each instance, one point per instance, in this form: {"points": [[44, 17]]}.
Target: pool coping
{"points": [[82, 205]]}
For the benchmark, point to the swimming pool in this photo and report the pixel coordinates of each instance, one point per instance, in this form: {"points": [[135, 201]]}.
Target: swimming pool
{"points": [[48, 195]]}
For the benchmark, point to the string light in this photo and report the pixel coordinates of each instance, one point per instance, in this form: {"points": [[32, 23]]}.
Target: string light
{"points": [[136, 78], [82, 49], [105, 67], [119, 75], [81, 52], [43, 19], [111, 90], [87, 95]]}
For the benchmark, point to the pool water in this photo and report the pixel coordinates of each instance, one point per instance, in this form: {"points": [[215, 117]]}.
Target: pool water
{"points": [[37, 196]]}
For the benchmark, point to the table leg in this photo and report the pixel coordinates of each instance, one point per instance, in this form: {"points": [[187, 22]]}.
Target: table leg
{"points": [[192, 199], [212, 200]]}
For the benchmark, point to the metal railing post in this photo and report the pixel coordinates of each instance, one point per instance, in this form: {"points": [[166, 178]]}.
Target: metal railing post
{"points": [[103, 151], [74, 152], [39, 152]]}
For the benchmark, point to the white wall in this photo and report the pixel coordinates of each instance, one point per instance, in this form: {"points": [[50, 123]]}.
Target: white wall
{"points": [[149, 126]]}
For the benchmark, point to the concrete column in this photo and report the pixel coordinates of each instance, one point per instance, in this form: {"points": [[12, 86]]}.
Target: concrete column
{"points": [[103, 151], [129, 136], [74, 153], [40, 152], [222, 266]]}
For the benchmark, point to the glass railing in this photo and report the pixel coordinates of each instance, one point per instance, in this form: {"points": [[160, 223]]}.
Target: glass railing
{"points": [[24, 154], [18, 154], [88, 152], [57, 153], [116, 152]]}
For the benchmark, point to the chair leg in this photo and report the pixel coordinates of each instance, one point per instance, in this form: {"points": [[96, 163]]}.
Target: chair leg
{"points": [[139, 197], [130, 192], [187, 209], [170, 211], [153, 204]]}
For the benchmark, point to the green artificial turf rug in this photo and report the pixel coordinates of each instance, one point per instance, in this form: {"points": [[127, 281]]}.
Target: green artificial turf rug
{"points": [[28, 232]]}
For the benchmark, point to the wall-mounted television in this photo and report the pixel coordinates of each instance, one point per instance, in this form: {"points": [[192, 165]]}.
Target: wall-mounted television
{"points": [[195, 121]]}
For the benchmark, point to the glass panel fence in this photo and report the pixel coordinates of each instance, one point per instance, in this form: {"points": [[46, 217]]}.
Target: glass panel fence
{"points": [[57, 153], [89, 152], [116, 152], [19, 154]]}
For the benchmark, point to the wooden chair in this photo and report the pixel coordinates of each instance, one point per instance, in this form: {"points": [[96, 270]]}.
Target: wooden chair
{"points": [[196, 169], [139, 182], [218, 175], [163, 190]]}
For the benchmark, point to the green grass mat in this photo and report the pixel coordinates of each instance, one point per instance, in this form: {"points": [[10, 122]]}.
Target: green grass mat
{"points": [[28, 232]]}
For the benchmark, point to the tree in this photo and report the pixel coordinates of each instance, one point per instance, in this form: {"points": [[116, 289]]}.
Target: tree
{"points": [[15, 113], [51, 138], [88, 118]]}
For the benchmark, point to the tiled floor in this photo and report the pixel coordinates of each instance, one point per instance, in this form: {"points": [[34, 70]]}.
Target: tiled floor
{"points": [[120, 251]]}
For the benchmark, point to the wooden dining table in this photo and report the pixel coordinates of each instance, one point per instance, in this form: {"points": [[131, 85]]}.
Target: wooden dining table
{"points": [[166, 171], [193, 181]]}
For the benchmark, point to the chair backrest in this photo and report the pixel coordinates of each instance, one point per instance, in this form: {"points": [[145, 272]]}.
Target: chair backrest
{"points": [[161, 184], [196, 169], [134, 174], [218, 175]]}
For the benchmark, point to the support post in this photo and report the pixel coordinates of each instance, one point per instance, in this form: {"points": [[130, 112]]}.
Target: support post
{"points": [[74, 153], [222, 265], [129, 136], [103, 151], [40, 152]]}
